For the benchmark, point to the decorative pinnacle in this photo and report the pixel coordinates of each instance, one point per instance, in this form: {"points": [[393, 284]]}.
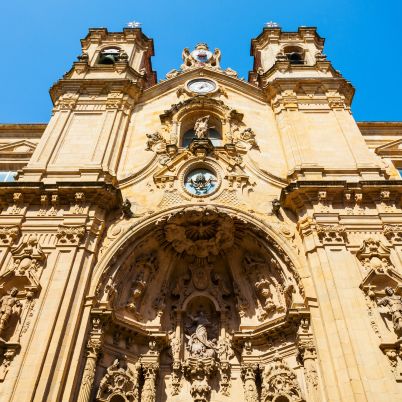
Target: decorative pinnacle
{"points": [[134, 24], [271, 24]]}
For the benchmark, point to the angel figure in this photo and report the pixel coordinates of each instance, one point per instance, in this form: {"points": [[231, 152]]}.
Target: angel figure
{"points": [[201, 127], [187, 59], [216, 58]]}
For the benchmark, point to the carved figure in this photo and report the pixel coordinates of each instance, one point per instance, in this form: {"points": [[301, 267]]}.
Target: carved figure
{"points": [[216, 58], [187, 59], [119, 381], [279, 380], [394, 304], [198, 343], [145, 266], [225, 351], [201, 127], [174, 345], [9, 305], [153, 139], [268, 289]]}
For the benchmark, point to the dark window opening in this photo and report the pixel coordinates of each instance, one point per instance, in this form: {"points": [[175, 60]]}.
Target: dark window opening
{"points": [[213, 135], [109, 56]]}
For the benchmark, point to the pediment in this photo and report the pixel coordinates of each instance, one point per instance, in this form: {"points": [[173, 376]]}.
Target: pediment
{"points": [[223, 80], [19, 147], [393, 148], [375, 282]]}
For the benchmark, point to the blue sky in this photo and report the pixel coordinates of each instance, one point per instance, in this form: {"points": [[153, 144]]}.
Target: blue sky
{"points": [[41, 39]]}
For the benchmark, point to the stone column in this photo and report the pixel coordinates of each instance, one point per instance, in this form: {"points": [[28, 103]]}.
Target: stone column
{"points": [[150, 372], [248, 372], [93, 349]]}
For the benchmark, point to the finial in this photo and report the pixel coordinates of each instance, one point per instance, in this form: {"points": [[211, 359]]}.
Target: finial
{"points": [[271, 24], [134, 24]]}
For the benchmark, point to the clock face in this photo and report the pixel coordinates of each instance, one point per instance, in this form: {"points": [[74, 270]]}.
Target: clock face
{"points": [[201, 86]]}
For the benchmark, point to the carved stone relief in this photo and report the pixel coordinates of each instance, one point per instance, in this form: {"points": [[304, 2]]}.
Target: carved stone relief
{"points": [[279, 380], [119, 381]]}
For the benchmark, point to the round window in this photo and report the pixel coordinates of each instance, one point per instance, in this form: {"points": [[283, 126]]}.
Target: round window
{"points": [[200, 182]]}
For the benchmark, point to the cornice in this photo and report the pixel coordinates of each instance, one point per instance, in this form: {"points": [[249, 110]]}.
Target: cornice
{"points": [[123, 85], [103, 194], [31, 127], [95, 35], [298, 86], [276, 34], [320, 191]]}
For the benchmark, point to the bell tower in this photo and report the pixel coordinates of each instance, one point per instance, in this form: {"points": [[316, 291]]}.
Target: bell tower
{"points": [[92, 108], [311, 101]]}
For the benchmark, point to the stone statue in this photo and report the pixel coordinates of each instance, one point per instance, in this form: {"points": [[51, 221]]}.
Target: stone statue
{"points": [[187, 59], [146, 267], [216, 58], [153, 139], [394, 303], [225, 351], [198, 343], [201, 127], [174, 345], [9, 305]]}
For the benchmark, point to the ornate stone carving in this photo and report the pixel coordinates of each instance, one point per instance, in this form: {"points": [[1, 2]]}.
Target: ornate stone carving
{"points": [[394, 304], [331, 234], [150, 373], [9, 306], [9, 235], [200, 232], [145, 268], [248, 373], [70, 235], [374, 255], [119, 381], [155, 139], [93, 349], [201, 127], [225, 353], [79, 206], [18, 200], [279, 380], [198, 371], [8, 353], [393, 233], [25, 268], [268, 286]]}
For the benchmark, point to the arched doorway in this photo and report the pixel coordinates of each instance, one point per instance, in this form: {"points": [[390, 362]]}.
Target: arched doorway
{"points": [[199, 304]]}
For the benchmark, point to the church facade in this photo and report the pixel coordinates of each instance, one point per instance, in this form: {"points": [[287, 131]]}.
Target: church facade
{"points": [[202, 237]]}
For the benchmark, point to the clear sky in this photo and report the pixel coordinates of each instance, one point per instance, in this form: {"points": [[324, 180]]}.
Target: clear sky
{"points": [[40, 40]]}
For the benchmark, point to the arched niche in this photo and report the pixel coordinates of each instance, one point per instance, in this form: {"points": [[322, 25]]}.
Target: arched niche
{"points": [[179, 120], [191, 305], [187, 128], [295, 54]]}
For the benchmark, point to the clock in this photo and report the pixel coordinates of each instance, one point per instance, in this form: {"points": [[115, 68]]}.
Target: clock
{"points": [[201, 86]]}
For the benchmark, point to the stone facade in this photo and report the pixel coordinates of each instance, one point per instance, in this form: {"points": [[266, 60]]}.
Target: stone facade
{"points": [[201, 238]]}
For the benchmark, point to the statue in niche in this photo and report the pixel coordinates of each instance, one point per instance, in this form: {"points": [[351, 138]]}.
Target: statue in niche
{"points": [[9, 305], [394, 304], [201, 127], [267, 287], [198, 343], [146, 267]]}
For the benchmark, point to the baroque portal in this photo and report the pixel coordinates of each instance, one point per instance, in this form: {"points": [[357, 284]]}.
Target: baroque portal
{"points": [[200, 300]]}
